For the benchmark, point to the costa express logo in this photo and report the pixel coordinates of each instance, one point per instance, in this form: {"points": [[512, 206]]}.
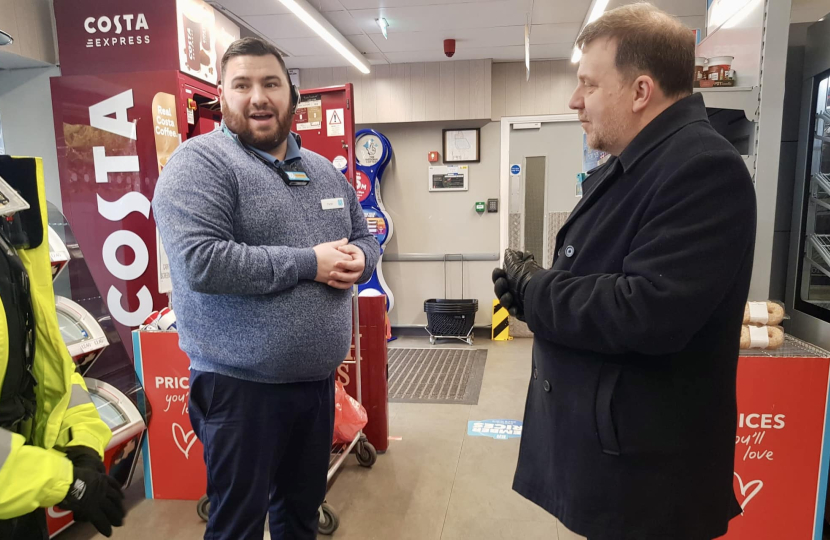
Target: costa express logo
{"points": [[106, 26], [111, 115]]}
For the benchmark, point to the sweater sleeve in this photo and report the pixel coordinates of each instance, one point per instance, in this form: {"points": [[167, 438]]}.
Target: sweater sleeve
{"points": [[193, 206]]}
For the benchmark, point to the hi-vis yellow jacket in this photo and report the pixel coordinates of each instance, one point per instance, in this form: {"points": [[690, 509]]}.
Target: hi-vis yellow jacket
{"points": [[38, 475]]}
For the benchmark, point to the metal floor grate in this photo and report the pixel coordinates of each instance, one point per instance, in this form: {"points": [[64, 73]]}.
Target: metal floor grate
{"points": [[436, 375]]}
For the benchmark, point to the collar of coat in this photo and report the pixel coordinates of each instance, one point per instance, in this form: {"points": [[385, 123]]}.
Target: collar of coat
{"points": [[686, 111]]}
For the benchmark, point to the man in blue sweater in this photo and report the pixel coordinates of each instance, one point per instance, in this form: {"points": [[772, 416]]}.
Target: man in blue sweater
{"points": [[265, 241]]}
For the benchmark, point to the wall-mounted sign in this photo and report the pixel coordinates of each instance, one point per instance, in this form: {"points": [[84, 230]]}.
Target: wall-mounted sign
{"points": [[449, 178], [462, 145]]}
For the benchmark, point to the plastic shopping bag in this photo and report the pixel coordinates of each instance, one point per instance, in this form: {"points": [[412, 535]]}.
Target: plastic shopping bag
{"points": [[349, 416]]}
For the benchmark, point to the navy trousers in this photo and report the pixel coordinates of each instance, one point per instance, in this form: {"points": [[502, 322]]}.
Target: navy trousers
{"points": [[267, 450], [29, 527]]}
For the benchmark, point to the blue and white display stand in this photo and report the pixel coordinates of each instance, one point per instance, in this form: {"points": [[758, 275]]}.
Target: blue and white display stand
{"points": [[372, 154]]}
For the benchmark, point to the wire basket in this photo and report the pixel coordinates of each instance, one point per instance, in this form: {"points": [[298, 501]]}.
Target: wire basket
{"points": [[450, 318]]}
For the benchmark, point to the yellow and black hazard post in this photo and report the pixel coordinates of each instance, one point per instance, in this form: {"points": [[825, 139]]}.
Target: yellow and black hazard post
{"points": [[501, 323]]}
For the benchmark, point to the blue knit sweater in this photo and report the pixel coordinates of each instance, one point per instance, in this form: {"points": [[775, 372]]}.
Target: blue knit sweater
{"points": [[240, 245]]}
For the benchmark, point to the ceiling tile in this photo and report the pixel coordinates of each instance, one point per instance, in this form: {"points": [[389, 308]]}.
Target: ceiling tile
{"points": [[332, 60], [472, 38], [376, 58], [678, 8], [244, 8], [312, 46], [485, 14], [383, 4], [280, 26], [364, 44], [560, 11], [346, 24], [541, 34]]}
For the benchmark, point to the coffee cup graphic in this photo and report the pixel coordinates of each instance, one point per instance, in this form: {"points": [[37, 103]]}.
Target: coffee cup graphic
{"points": [[192, 42]]}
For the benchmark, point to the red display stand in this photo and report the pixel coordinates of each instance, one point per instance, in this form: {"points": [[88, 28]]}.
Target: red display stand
{"points": [[325, 122], [174, 466], [781, 455], [373, 366]]}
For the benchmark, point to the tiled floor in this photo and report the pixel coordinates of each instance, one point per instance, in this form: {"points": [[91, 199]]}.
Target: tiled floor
{"points": [[436, 483]]}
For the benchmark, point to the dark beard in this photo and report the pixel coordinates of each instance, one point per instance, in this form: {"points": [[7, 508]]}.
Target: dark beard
{"points": [[265, 141]]}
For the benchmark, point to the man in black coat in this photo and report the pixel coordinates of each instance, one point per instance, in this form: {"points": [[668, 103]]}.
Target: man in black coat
{"points": [[630, 421]]}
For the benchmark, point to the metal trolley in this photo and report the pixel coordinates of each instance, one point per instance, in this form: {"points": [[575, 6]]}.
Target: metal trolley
{"points": [[365, 452], [451, 319]]}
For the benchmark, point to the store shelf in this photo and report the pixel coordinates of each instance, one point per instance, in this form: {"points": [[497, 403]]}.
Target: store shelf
{"points": [[749, 161], [743, 98], [792, 348], [820, 244], [822, 182]]}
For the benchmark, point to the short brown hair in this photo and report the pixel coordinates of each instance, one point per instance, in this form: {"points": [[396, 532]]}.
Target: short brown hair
{"points": [[649, 41], [252, 46]]}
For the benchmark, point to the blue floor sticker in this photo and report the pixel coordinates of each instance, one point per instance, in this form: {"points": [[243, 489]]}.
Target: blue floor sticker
{"points": [[496, 429]]}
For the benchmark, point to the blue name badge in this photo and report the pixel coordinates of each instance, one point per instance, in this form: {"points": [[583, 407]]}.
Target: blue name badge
{"points": [[496, 429], [297, 178]]}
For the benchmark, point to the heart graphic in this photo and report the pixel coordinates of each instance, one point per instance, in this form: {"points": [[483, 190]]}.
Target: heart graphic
{"points": [[56, 513], [187, 439], [745, 487]]}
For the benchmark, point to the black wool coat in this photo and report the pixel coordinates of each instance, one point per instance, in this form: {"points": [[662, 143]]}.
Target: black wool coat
{"points": [[630, 421]]}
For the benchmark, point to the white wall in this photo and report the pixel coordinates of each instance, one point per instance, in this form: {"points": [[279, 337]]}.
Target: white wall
{"points": [[419, 92], [28, 125], [438, 223], [30, 24]]}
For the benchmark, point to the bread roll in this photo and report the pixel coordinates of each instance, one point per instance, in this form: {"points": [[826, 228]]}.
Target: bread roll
{"points": [[769, 313], [762, 337]]}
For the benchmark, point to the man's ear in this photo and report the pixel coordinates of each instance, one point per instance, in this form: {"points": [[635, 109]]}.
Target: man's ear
{"points": [[644, 88]]}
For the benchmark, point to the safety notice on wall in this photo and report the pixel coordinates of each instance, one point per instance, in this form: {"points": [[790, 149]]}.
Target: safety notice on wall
{"points": [[334, 123], [310, 112]]}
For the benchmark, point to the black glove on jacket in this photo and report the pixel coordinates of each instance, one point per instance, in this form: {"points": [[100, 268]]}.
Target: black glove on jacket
{"points": [[96, 498], [83, 456], [511, 282]]}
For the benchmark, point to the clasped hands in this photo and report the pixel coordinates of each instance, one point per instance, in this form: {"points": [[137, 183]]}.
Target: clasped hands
{"points": [[339, 264], [511, 281]]}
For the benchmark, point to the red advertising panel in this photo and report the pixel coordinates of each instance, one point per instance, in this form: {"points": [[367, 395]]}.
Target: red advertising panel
{"points": [[101, 36], [174, 466], [106, 143], [778, 454], [114, 133]]}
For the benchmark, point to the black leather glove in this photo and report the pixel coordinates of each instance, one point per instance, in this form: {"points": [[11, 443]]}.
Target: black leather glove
{"points": [[85, 457], [511, 282], [96, 498]]}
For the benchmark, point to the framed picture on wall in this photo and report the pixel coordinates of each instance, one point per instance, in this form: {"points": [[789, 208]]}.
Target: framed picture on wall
{"points": [[462, 145]]}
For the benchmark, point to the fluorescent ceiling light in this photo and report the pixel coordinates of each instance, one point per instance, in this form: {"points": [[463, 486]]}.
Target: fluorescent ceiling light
{"points": [[383, 26], [527, 51], [594, 12], [5, 39], [324, 29]]}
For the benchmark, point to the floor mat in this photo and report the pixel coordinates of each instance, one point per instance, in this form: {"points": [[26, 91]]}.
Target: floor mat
{"points": [[436, 375]]}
